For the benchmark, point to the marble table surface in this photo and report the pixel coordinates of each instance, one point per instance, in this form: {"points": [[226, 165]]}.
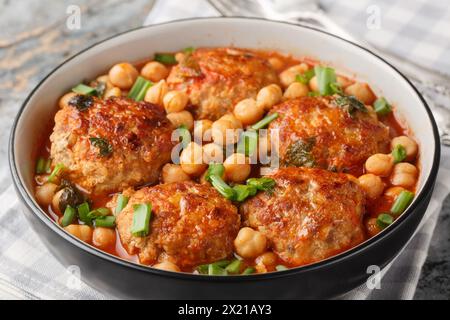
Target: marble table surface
{"points": [[34, 39]]}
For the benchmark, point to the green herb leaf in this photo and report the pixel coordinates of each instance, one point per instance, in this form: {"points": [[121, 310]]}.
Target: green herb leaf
{"points": [[299, 153], [81, 102], [105, 149], [351, 103]]}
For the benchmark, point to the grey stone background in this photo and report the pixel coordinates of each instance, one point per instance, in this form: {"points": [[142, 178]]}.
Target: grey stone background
{"points": [[34, 39]]}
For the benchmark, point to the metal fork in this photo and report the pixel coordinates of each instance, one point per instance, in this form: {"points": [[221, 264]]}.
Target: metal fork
{"points": [[431, 84]]}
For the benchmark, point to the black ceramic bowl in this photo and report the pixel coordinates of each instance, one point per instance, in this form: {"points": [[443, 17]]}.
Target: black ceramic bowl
{"points": [[328, 278]]}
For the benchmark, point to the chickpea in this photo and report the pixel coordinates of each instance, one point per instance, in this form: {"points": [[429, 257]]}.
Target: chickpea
{"points": [[267, 259], [175, 101], [264, 144], [288, 76], [55, 202], [123, 75], [212, 153], [248, 112], [82, 232], [372, 185], [404, 175], [156, 93], [179, 56], [180, 118], [237, 167], [154, 71], [230, 117], [296, 90], [269, 96], [224, 132], [191, 159], [250, 243], [409, 144], [372, 227], [380, 164], [173, 173], [44, 194], [313, 84], [167, 266], [362, 92], [106, 81], [394, 192], [202, 130], [276, 63], [104, 238], [113, 92], [64, 101], [343, 82]]}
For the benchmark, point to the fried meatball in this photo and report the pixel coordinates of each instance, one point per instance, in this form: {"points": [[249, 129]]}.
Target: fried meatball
{"points": [[191, 224], [316, 132], [310, 215], [217, 79], [108, 145]]}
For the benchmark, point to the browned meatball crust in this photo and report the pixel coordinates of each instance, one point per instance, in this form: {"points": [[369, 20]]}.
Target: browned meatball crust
{"points": [[191, 224], [111, 144], [216, 79], [315, 132], [311, 214]]}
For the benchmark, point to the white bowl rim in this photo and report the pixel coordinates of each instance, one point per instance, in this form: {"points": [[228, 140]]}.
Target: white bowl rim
{"points": [[31, 205]]}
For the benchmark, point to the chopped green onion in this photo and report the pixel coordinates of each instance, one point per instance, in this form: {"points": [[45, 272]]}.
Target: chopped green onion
{"points": [[221, 263], [325, 77], [383, 220], [402, 202], [313, 94], [185, 135], [83, 213], [214, 169], [122, 202], [336, 88], [189, 50], [84, 89], [139, 89], [399, 153], [141, 219], [99, 212], [202, 269], [382, 107], [43, 165], [280, 267], [249, 270], [56, 171], [305, 77], [234, 267], [106, 222], [262, 184], [242, 192], [223, 188], [165, 58], [69, 216], [248, 143], [265, 121], [215, 270]]}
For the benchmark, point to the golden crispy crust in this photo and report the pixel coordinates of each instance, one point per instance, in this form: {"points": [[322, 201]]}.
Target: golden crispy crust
{"points": [[311, 214], [138, 132], [216, 79], [191, 224], [340, 140]]}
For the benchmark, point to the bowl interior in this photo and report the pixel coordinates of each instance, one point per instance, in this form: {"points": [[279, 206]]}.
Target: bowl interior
{"points": [[250, 33]]}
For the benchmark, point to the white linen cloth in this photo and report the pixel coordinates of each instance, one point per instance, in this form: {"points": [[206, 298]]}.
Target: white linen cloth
{"points": [[29, 271]]}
